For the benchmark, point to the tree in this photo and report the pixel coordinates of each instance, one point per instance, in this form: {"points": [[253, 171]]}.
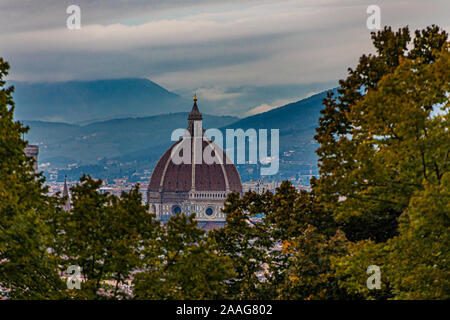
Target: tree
{"points": [[402, 149], [419, 258], [375, 137], [182, 264], [309, 269], [247, 243], [27, 269], [105, 236], [285, 255], [414, 264]]}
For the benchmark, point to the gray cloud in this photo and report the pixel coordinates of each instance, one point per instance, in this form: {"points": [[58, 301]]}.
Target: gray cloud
{"points": [[29, 15], [205, 45]]}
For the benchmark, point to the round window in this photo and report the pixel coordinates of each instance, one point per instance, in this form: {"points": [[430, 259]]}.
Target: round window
{"points": [[176, 209], [209, 212]]}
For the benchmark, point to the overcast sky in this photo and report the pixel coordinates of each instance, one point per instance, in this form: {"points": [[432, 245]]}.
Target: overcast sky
{"points": [[204, 45]]}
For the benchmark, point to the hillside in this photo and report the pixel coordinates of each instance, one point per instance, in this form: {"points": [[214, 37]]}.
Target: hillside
{"points": [[82, 101], [62, 143], [300, 115], [297, 122]]}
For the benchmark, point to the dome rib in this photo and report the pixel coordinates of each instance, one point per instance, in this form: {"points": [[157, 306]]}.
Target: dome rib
{"points": [[169, 177]]}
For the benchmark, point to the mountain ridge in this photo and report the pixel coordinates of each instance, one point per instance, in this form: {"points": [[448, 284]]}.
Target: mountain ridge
{"points": [[138, 142], [81, 101]]}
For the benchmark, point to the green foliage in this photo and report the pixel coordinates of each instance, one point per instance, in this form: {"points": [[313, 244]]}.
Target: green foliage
{"points": [[182, 264], [104, 235], [416, 263], [309, 271], [377, 137], [284, 255], [419, 259], [27, 270], [385, 152], [379, 142], [246, 243]]}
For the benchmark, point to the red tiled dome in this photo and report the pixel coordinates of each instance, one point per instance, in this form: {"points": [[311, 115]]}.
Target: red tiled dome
{"points": [[171, 177]]}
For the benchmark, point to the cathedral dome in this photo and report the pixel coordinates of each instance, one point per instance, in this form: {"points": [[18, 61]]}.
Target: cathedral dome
{"points": [[218, 176], [170, 177], [179, 184]]}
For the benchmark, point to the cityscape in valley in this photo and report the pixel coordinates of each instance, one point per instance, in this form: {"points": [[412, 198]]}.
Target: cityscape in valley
{"points": [[170, 189], [263, 152], [60, 144]]}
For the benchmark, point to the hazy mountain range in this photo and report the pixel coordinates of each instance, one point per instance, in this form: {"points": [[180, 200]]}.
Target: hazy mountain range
{"points": [[126, 144], [83, 101]]}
